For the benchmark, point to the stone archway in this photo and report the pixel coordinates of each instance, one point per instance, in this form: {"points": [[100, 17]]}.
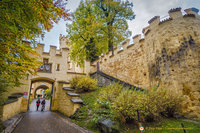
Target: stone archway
{"points": [[41, 79], [41, 87]]}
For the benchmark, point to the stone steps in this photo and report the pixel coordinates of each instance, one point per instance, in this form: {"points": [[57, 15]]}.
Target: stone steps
{"points": [[73, 94], [75, 98], [68, 89]]}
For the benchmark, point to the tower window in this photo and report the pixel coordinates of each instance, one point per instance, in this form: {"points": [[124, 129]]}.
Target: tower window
{"points": [[58, 67]]}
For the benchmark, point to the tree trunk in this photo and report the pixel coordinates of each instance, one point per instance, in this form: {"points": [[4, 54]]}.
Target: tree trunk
{"points": [[110, 39]]}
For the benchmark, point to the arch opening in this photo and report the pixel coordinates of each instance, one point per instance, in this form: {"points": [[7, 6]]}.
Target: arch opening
{"points": [[41, 88]]}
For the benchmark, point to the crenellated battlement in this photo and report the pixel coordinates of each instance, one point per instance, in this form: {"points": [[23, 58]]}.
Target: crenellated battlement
{"points": [[53, 51], [154, 24]]}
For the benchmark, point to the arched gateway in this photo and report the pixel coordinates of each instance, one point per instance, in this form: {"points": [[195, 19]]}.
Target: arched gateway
{"points": [[55, 72], [40, 83]]}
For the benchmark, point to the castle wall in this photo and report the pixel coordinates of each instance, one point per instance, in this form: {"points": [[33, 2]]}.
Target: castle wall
{"points": [[168, 55], [174, 58], [127, 64]]}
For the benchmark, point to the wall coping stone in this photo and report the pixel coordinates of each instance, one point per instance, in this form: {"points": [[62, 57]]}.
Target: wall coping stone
{"points": [[76, 100], [120, 51], [175, 9], [130, 45], [76, 73], [10, 101], [68, 89], [72, 94], [189, 15], [63, 82], [165, 20], [152, 19]]}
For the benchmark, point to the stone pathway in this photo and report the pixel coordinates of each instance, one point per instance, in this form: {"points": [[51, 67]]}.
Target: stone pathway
{"points": [[46, 122]]}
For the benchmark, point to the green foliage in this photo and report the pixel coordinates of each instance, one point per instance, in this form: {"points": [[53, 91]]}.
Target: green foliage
{"points": [[102, 111], [163, 126], [81, 114], [23, 20], [83, 117], [111, 92], [115, 14], [48, 94], [88, 116], [97, 26], [103, 106], [152, 104], [126, 104], [87, 38], [83, 84]]}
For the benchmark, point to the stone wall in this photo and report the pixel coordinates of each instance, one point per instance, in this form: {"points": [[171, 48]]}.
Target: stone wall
{"points": [[13, 108], [62, 102], [104, 80], [169, 54]]}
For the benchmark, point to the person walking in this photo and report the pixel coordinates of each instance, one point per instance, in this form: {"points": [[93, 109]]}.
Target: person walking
{"points": [[43, 104], [38, 103]]}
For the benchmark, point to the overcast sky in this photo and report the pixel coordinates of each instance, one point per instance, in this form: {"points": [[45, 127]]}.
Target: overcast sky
{"points": [[143, 9]]}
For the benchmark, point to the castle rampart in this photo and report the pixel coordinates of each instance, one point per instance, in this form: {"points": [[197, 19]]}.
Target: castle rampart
{"points": [[168, 55]]}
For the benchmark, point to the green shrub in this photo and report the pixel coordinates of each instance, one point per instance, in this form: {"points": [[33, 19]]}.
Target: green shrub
{"points": [[48, 94], [102, 111], [162, 102], [152, 104], [110, 93], [171, 103], [83, 84], [127, 103]]}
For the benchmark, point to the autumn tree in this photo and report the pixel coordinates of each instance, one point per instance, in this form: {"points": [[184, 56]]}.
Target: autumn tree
{"points": [[86, 34], [115, 14], [97, 26], [22, 20]]}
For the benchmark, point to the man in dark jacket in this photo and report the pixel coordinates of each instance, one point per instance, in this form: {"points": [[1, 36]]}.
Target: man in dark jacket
{"points": [[43, 104]]}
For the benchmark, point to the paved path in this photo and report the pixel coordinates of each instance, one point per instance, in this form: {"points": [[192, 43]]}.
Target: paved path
{"points": [[46, 122]]}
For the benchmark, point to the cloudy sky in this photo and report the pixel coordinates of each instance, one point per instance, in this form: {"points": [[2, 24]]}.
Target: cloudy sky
{"points": [[143, 9]]}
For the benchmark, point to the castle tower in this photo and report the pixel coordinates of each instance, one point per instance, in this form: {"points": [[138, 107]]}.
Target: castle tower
{"points": [[63, 41]]}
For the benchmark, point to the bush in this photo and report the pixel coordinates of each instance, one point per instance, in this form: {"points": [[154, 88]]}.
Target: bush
{"points": [[48, 94], [110, 93], [171, 103], [162, 102], [152, 104], [126, 104], [102, 111], [83, 84]]}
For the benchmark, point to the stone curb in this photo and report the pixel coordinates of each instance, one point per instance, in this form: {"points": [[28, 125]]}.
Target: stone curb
{"points": [[10, 126]]}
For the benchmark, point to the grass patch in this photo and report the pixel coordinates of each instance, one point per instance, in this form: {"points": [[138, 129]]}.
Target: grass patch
{"points": [[164, 126]]}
